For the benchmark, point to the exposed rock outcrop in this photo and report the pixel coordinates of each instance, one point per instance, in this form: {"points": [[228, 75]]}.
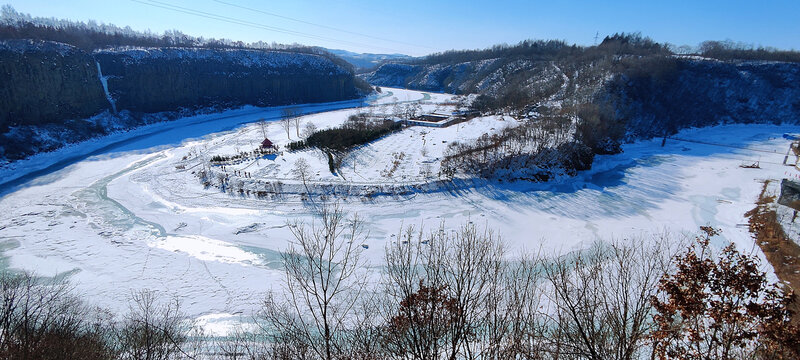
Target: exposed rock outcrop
{"points": [[653, 96], [52, 94], [43, 82], [152, 80]]}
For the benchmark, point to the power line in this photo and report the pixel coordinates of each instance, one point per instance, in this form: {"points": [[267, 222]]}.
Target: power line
{"points": [[320, 25], [245, 22], [236, 21]]}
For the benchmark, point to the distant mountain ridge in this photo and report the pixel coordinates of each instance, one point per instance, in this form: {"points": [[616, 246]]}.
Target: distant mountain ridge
{"points": [[367, 61]]}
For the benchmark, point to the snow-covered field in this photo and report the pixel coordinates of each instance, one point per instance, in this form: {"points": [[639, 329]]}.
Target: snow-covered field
{"points": [[369, 164], [129, 218], [406, 159]]}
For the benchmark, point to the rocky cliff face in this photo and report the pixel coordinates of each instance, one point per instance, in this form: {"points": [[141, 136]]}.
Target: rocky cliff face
{"points": [[652, 96], [696, 93], [151, 80], [459, 78], [495, 77], [48, 90], [43, 82]]}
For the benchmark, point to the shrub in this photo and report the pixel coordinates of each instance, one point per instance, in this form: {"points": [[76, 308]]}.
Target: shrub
{"points": [[720, 306], [351, 134], [43, 319]]}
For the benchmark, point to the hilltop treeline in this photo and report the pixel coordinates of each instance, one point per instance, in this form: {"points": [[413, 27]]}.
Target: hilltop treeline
{"points": [[55, 93], [616, 44], [90, 36], [549, 50], [504, 70], [729, 50]]}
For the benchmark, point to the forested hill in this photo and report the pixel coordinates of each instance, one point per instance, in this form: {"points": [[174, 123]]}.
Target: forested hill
{"points": [[641, 86], [51, 92], [574, 102], [91, 36]]}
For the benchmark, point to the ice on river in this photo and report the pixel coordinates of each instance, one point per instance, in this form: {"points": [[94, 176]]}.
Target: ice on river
{"points": [[127, 219]]}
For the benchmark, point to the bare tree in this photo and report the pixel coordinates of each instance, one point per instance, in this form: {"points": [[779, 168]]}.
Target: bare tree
{"points": [[153, 329], [600, 299], [412, 110], [383, 110], [511, 326], [324, 283], [358, 121], [462, 102], [301, 169], [309, 129], [263, 125], [426, 170], [418, 309], [288, 116], [287, 125], [42, 319], [441, 285], [243, 344], [721, 306], [398, 111], [366, 338], [296, 121]]}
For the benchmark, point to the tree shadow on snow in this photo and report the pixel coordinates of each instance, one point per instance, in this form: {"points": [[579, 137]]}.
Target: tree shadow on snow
{"points": [[641, 178]]}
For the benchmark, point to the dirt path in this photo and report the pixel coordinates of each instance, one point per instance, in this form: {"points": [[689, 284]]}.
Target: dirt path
{"points": [[781, 251]]}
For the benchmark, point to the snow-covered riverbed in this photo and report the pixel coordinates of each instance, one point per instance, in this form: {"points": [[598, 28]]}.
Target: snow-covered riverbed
{"points": [[125, 218]]}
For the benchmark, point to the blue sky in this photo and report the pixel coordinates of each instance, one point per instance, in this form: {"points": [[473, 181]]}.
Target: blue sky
{"points": [[418, 27]]}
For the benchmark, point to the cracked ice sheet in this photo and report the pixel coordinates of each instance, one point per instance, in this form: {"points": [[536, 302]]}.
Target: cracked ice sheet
{"points": [[46, 228], [647, 189]]}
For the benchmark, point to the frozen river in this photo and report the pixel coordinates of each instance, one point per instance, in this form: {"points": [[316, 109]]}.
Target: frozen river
{"points": [[115, 215]]}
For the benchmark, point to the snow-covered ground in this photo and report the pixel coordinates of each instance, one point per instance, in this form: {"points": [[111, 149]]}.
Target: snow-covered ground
{"points": [[411, 156], [127, 218]]}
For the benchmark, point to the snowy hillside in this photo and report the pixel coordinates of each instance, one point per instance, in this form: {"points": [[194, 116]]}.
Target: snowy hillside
{"points": [[650, 93]]}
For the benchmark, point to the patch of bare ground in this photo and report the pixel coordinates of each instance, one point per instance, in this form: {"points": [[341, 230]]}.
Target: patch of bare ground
{"points": [[781, 252]]}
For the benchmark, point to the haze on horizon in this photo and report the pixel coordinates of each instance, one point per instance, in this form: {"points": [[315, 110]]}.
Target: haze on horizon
{"points": [[417, 27]]}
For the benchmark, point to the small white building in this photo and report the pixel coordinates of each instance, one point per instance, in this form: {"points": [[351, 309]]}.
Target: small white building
{"points": [[433, 120]]}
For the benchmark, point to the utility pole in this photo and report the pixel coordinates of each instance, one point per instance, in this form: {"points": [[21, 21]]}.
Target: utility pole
{"points": [[596, 36]]}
